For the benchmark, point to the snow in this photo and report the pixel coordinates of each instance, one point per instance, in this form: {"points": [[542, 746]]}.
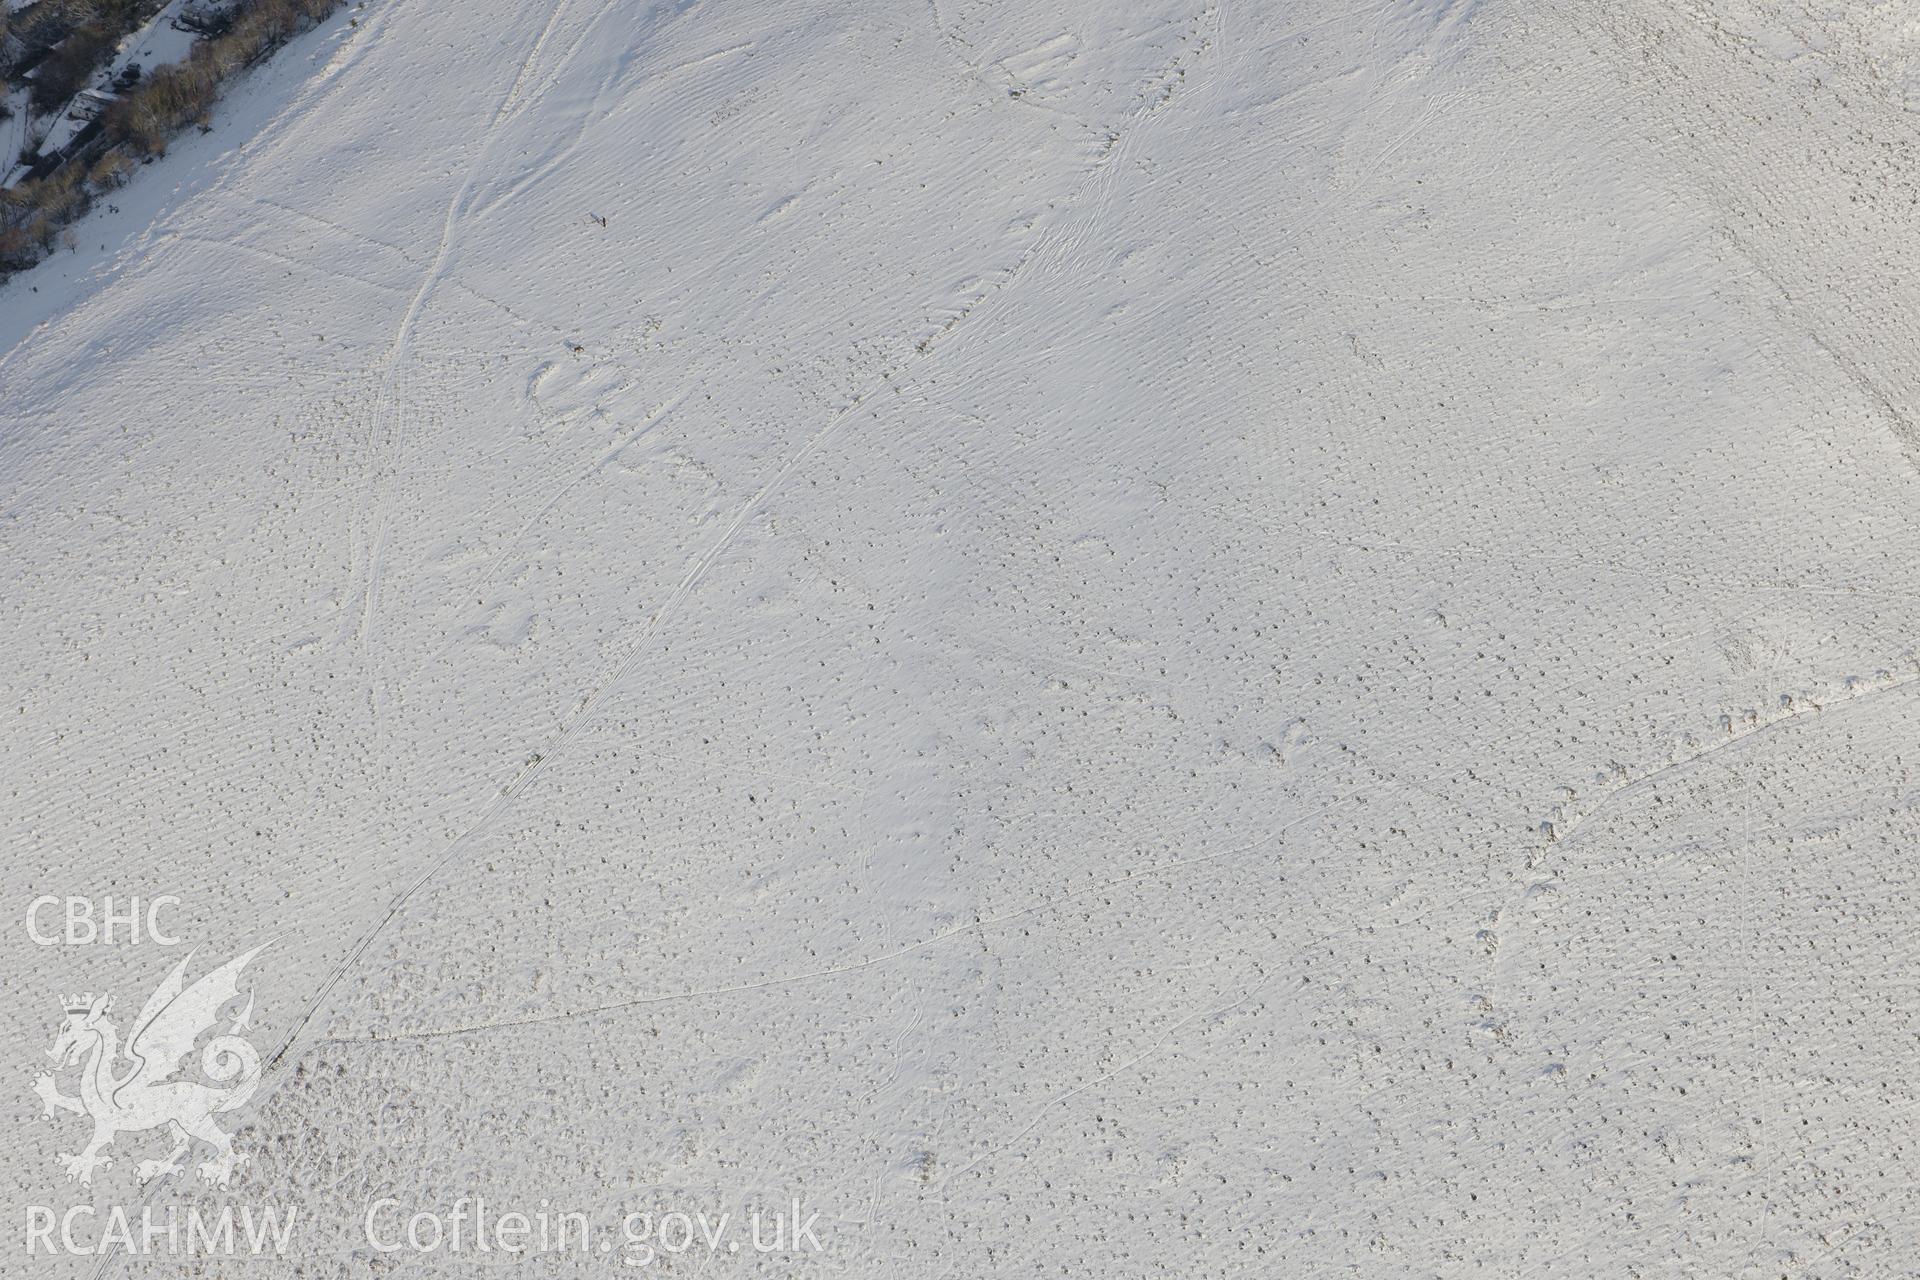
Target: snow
{"points": [[14, 129], [158, 43], [1172, 639]]}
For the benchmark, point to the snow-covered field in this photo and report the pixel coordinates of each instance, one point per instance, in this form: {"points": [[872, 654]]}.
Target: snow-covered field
{"points": [[1099, 640]]}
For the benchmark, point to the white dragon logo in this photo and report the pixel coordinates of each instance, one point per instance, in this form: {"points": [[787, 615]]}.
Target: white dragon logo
{"points": [[142, 1096]]}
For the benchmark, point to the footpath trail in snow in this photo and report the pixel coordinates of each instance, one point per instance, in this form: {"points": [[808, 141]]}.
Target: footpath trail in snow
{"points": [[1172, 639]]}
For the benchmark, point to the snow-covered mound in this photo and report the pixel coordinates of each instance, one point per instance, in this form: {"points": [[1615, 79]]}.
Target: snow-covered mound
{"points": [[1177, 638]]}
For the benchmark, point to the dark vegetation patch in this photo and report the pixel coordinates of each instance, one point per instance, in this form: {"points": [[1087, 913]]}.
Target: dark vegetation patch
{"points": [[65, 46]]}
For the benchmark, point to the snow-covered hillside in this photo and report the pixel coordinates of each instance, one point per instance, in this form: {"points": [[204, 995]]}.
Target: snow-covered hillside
{"points": [[1177, 638]]}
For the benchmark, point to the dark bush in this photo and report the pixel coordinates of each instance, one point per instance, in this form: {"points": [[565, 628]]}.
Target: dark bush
{"points": [[109, 171], [171, 98], [17, 249], [64, 72]]}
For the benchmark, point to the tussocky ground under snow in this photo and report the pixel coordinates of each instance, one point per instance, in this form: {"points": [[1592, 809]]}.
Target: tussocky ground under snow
{"points": [[1168, 639]]}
